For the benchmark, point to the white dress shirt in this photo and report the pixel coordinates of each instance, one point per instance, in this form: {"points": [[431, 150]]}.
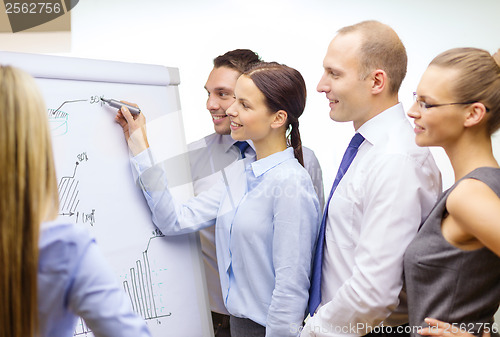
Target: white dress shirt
{"points": [[207, 157], [376, 210], [266, 217]]}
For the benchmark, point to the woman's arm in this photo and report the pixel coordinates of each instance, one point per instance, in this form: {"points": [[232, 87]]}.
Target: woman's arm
{"points": [[171, 217], [96, 296], [296, 225], [475, 209]]}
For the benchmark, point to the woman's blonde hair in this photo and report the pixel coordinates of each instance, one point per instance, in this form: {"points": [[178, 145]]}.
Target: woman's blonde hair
{"points": [[478, 80], [28, 196]]}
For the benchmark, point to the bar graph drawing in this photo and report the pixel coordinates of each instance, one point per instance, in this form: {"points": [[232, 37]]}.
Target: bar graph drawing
{"points": [[69, 196], [161, 278], [81, 328], [140, 289]]}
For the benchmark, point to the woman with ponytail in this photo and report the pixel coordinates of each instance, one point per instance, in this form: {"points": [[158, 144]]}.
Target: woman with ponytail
{"points": [[452, 267], [279, 84], [265, 209]]}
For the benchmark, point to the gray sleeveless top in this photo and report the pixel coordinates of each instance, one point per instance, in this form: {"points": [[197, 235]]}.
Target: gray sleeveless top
{"points": [[447, 283]]}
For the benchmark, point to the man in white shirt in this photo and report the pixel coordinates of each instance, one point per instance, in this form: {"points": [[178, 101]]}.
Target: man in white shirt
{"points": [[214, 152], [389, 188]]}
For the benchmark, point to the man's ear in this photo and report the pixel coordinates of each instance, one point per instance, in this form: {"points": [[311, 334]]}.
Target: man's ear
{"points": [[379, 81], [280, 118], [476, 113]]}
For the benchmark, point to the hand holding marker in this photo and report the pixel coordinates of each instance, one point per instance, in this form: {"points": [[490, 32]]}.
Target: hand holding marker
{"points": [[133, 123], [117, 104]]}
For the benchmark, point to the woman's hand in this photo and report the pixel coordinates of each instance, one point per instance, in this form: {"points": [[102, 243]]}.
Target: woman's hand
{"points": [[443, 329], [134, 128]]}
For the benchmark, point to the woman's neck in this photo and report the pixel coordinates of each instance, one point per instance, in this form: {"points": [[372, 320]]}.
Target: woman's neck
{"points": [[269, 145], [469, 153]]}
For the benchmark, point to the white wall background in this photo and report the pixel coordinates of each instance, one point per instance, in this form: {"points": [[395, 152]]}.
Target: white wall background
{"points": [[188, 34]]}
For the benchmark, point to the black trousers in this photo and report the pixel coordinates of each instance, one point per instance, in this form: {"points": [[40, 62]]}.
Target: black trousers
{"points": [[221, 325], [244, 327]]}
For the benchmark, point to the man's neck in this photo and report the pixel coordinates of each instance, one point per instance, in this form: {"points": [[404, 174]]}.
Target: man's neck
{"points": [[377, 106]]}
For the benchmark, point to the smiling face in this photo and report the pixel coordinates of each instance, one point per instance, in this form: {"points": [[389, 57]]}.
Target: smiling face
{"points": [[220, 88], [437, 126], [249, 114], [347, 93]]}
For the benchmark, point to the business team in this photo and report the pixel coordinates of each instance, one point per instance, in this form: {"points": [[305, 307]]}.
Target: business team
{"points": [[388, 255]]}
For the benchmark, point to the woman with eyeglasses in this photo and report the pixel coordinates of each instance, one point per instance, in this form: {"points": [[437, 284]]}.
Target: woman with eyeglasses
{"points": [[452, 267]]}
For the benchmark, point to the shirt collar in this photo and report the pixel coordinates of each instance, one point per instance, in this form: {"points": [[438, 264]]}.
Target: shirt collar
{"points": [[263, 165], [227, 142], [51, 223], [385, 120]]}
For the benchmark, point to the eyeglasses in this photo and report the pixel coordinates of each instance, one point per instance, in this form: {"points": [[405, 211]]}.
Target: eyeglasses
{"points": [[424, 106]]}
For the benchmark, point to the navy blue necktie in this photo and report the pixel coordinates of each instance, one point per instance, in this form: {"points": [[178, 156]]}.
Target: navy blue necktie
{"points": [[315, 290], [243, 146]]}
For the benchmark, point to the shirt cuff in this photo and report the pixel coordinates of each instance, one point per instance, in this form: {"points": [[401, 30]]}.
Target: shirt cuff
{"points": [[142, 162]]}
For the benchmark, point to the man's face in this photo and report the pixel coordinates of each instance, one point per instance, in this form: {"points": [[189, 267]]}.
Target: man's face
{"points": [[220, 88], [347, 93]]}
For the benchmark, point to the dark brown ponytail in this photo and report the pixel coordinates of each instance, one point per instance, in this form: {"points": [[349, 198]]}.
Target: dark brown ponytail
{"points": [[295, 142]]}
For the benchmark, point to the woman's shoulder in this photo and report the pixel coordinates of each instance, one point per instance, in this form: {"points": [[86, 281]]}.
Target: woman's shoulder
{"points": [[467, 190], [473, 198], [63, 232], [60, 244], [292, 176], [482, 181]]}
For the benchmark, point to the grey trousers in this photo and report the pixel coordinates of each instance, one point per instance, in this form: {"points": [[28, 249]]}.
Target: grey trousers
{"points": [[244, 327]]}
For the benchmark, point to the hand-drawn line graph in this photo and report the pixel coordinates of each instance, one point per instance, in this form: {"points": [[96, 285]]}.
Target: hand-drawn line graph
{"points": [[58, 120], [140, 291], [69, 198]]}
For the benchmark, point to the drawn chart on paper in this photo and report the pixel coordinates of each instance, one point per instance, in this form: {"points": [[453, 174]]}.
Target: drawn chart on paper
{"points": [[68, 193], [93, 192], [69, 196], [161, 277], [141, 287], [58, 122], [81, 328], [58, 119]]}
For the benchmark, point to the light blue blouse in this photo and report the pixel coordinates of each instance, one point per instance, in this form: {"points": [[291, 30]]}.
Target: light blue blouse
{"points": [[74, 280], [267, 217]]}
